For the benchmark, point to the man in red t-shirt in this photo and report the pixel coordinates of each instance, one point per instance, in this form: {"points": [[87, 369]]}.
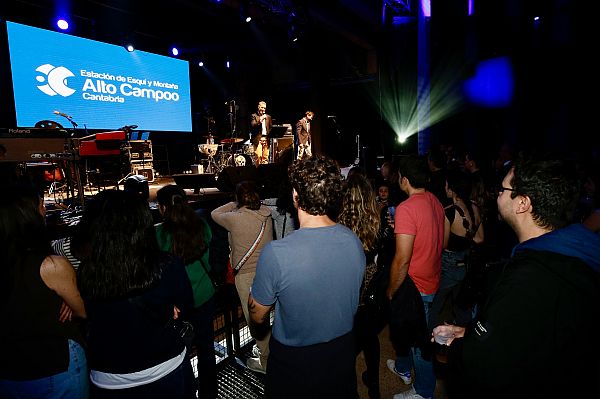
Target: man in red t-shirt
{"points": [[419, 229]]}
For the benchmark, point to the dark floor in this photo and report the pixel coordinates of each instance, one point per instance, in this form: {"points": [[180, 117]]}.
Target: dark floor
{"points": [[236, 381]]}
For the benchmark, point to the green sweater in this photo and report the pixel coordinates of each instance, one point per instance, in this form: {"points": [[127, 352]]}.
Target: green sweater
{"points": [[201, 284]]}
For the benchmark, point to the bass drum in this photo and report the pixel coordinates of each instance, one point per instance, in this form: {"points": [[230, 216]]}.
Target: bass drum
{"points": [[240, 160]]}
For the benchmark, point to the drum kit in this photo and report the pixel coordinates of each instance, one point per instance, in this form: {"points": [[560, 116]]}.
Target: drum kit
{"points": [[225, 154]]}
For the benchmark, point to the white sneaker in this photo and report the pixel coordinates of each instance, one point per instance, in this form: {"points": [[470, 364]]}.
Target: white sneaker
{"points": [[255, 365], [406, 377], [255, 351], [410, 394]]}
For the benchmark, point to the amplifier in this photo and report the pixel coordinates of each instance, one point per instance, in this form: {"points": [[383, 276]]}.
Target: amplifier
{"points": [[148, 173], [142, 164], [138, 156], [140, 150], [282, 146]]}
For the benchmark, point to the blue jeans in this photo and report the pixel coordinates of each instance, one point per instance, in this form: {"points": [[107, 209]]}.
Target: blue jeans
{"points": [[424, 381], [444, 307], [71, 384], [453, 268]]}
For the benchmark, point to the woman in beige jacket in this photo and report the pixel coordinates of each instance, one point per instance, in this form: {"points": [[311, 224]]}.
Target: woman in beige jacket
{"points": [[250, 228]]}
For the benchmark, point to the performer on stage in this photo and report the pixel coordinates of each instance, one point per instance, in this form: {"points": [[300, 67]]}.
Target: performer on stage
{"points": [[262, 151], [303, 139], [260, 123]]}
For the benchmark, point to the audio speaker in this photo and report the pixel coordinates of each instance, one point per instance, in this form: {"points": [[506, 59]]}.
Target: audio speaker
{"points": [[195, 181], [271, 178], [284, 150], [232, 175]]}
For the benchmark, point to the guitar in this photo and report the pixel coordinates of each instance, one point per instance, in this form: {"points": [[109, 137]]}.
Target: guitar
{"points": [[53, 175]]}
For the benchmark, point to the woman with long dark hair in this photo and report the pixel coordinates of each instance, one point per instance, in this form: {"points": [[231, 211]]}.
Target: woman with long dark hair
{"points": [[187, 235], [463, 224], [41, 345], [132, 291]]}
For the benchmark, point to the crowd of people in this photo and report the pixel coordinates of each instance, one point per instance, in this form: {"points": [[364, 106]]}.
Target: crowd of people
{"points": [[425, 248]]}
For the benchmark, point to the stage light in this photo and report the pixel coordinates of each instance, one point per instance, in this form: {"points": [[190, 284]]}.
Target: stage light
{"points": [[248, 19], [227, 64], [470, 7], [426, 8], [175, 51], [293, 28], [201, 64], [130, 48], [62, 24]]}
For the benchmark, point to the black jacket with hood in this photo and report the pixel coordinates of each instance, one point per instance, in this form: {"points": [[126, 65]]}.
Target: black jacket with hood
{"points": [[537, 335]]}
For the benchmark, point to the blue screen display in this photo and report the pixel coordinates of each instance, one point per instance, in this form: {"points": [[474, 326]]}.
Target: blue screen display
{"points": [[99, 85]]}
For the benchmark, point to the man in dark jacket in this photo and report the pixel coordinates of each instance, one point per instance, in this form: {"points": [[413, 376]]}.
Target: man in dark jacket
{"points": [[534, 336]]}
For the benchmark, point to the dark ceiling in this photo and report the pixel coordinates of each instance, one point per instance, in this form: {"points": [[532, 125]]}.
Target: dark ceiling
{"points": [[208, 27]]}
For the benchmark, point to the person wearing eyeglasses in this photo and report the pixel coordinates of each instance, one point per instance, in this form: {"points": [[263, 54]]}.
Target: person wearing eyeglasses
{"points": [[532, 336]]}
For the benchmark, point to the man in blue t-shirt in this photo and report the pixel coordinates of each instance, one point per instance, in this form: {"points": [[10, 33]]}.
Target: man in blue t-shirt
{"points": [[314, 276]]}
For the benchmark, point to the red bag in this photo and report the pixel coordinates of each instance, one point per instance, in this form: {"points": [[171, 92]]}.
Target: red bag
{"points": [[230, 277]]}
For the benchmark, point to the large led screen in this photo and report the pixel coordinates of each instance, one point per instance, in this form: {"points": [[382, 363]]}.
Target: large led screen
{"points": [[98, 85]]}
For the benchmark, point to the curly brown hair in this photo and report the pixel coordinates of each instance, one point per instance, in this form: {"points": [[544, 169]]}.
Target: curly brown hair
{"points": [[318, 183], [360, 212]]}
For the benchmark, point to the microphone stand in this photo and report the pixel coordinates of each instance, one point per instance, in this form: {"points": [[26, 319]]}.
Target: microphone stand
{"points": [[232, 127], [75, 170]]}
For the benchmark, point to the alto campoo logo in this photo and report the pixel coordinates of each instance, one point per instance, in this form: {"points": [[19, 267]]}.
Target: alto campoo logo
{"points": [[55, 79]]}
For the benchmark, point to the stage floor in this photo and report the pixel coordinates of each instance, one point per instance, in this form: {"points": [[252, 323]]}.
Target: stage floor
{"points": [[59, 194]]}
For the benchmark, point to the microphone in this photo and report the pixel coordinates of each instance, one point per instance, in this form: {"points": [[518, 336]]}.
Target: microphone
{"points": [[62, 114]]}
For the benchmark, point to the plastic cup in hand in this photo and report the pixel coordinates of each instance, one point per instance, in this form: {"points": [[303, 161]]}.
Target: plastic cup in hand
{"points": [[443, 334]]}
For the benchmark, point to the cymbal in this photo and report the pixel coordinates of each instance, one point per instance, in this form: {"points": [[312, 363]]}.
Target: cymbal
{"points": [[231, 141]]}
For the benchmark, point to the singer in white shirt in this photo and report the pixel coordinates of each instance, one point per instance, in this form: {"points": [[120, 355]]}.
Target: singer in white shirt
{"points": [[260, 123]]}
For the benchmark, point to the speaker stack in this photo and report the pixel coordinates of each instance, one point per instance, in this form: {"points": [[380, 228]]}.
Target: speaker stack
{"points": [[141, 158]]}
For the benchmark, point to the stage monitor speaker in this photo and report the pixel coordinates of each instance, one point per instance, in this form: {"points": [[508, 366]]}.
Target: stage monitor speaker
{"points": [[284, 150], [195, 181], [232, 175], [271, 179]]}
